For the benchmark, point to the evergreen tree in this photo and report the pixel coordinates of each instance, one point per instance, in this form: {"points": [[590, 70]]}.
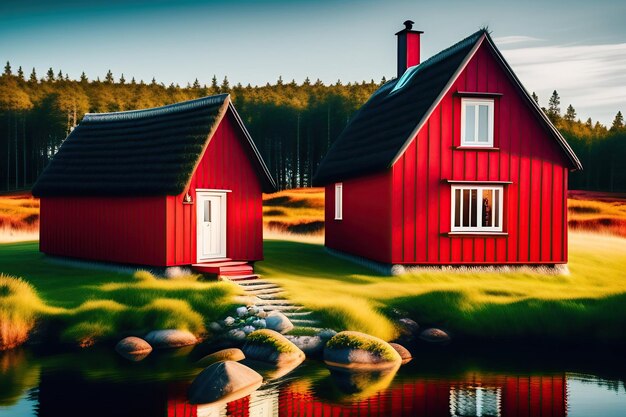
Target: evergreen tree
{"points": [[383, 80], [7, 70], [122, 79], [618, 122], [535, 97], [50, 75], [307, 82], [83, 77], [225, 87], [196, 84], [60, 75], [589, 123], [570, 114], [554, 111], [20, 73], [215, 88], [153, 82], [279, 81], [33, 77], [109, 77], [132, 81]]}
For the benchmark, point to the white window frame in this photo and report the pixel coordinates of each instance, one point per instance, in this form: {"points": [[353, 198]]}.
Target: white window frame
{"points": [[465, 102], [339, 201], [479, 228]]}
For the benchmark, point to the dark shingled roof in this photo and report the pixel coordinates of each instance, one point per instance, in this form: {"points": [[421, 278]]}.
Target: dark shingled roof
{"points": [[138, 153], [379, 132]]}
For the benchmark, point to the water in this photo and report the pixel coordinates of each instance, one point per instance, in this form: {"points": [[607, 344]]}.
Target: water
{"points": [[436, 383]]}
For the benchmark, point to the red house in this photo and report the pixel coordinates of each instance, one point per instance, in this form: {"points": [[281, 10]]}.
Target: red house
{"points": [[173, 185], [450, 163]]}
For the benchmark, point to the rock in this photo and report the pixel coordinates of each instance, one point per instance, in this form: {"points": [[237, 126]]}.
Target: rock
{"points": [[133, 348], [270, 346], [242, 311], [262, 314], [253, 310], [232, 354], [408, 326], [327, 334], [236, 334], [248, 329], [224, 382], [357, 350], [310, 345], [170, 338], [215, 327], [279, 322], [229, 321], [402, 351], [259, 323], [434, 335]]}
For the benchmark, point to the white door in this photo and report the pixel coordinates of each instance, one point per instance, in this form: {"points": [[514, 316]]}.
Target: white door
{"points": [[211, 224]]}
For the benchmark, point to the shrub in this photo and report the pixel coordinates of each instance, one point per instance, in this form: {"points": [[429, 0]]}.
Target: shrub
{"points": [[143, 275], [20, 306]]}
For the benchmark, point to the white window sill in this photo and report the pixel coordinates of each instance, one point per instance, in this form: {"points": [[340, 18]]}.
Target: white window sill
{"points": [[477, 233]]}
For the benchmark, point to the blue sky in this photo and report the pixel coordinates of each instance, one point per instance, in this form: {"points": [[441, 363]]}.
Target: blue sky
{"points": [[576, 47]]}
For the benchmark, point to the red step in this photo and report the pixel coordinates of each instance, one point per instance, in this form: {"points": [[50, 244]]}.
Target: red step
{"points": [[223, 268]]}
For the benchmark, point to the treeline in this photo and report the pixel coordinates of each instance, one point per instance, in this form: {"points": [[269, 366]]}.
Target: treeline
{"points": [[292, 124]]}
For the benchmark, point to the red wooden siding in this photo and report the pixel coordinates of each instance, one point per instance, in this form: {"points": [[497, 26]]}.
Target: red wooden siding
{"points": [[535, 212], [365, 229], [227, 164], [125, 230]]}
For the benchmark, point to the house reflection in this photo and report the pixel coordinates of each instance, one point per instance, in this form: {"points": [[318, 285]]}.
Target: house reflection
{"points": [[470, 396]]}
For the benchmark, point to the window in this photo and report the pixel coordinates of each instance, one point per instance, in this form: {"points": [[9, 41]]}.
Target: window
{"points": [[477, 208], [338, 201], [477, 122]]}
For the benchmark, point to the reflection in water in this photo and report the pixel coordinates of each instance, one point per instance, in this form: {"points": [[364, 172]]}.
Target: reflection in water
{"points": [[81, 385]]}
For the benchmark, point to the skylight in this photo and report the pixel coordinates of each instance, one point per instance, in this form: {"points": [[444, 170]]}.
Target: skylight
{"points": [[405, 78]]}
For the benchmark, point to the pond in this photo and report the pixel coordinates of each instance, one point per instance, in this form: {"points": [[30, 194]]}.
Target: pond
{"points": [[440, 382]]}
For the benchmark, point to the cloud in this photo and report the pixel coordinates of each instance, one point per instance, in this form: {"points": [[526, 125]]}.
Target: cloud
{"points": [[509, 40], [590, 77]]}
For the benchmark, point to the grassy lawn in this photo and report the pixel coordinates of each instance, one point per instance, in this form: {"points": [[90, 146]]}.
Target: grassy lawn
{"points": [[88, 305], [588, 304]]}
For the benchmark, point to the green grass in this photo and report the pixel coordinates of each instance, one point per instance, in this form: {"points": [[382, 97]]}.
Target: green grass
{"points": [[588, 304], [267, 337], [89, 305]]}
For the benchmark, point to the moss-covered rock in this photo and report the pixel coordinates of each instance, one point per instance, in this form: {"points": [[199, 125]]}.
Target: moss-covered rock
{"points": [[270, 346], [359, 350]]}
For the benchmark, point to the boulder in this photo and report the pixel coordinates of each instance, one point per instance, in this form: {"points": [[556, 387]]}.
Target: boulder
{"points": [[408, 326], [236, 334], [171, 338], [434, 335], [327, 334], [223, 382], [402, 351], [231, 354], [270, 346], [310, 345], [357, 350], [279, 322], [133, 348], [242, 311]]}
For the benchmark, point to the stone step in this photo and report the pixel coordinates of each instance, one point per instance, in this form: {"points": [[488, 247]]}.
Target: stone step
{"points": [[254, 287], [265, 291], [280, 308], [273, 302], [298, 314], [243, 279], [304, 322]]}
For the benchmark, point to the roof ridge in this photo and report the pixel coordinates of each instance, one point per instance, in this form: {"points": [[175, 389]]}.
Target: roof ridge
{"points": [[155, 111]]}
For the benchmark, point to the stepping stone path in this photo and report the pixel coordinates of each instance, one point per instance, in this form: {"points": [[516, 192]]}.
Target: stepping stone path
{"points": [[271, 297]]}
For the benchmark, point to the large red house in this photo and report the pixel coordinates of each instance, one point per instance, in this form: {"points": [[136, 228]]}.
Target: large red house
{"points": [[174, 185], [450, 163]]}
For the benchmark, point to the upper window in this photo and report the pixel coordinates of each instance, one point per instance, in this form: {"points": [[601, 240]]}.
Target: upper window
{"points": [[338, 201], [477, 122], [477, 208]]}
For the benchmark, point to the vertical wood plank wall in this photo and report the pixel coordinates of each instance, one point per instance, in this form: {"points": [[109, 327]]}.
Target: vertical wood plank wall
{"points": [[226, 165], [366, 226], [535, 204], [124, 230]]}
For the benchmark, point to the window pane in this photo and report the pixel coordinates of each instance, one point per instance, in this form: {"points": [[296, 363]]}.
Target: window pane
{"points": [[207, 210], [457, 208], [487, 207], [473, 205], [496, 209], [470, 120], [466, 208], [483, 123]]}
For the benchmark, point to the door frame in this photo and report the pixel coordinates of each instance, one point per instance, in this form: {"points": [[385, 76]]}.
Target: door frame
{"points": [[223, 222]]}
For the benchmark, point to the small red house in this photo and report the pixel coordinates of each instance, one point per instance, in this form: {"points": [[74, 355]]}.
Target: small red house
{"points": [[174, 185], [450, 163]]}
